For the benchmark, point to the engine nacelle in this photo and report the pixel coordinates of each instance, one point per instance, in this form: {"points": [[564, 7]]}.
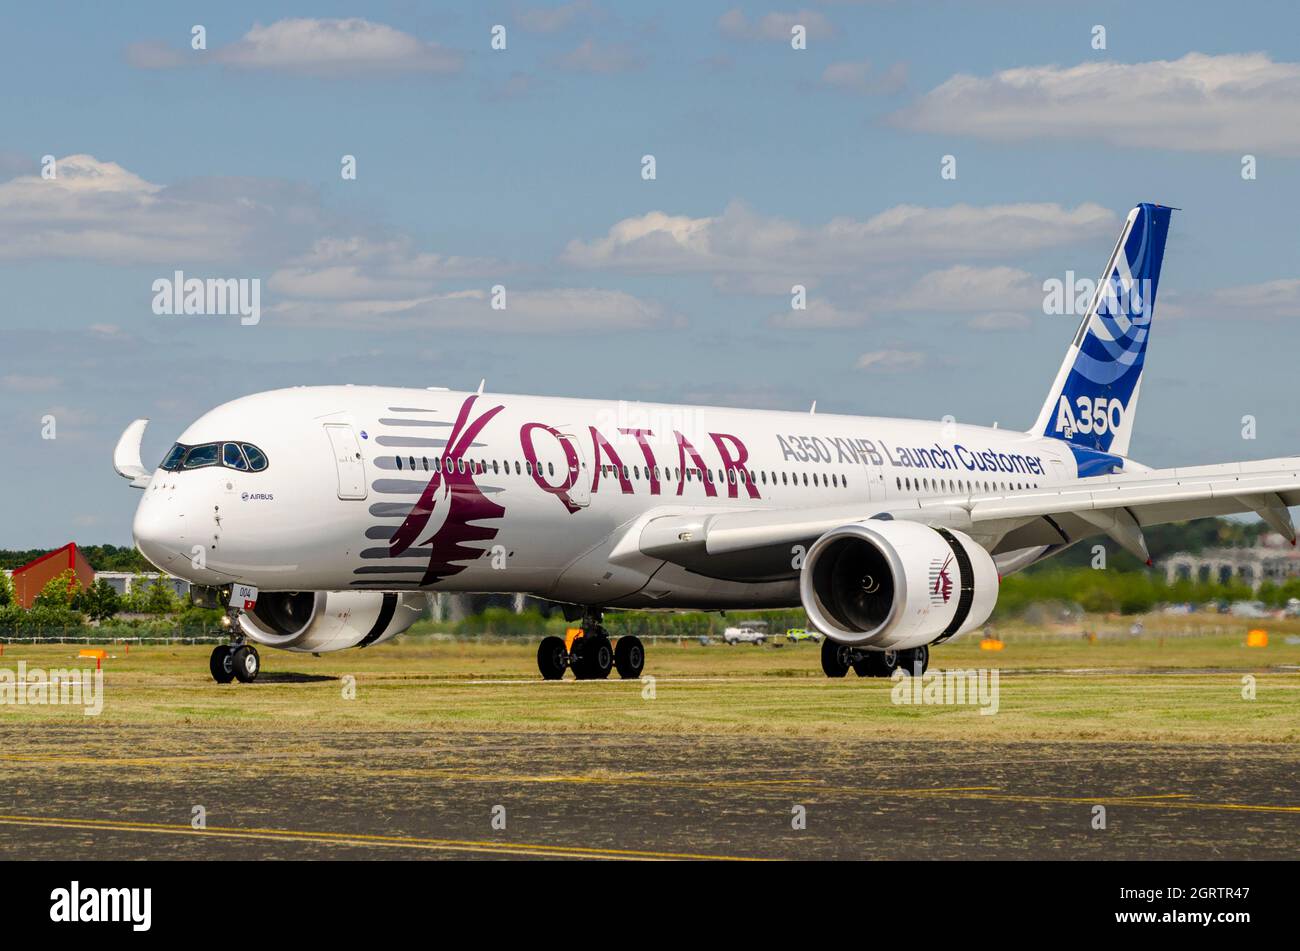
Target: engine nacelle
{"points": [[895, 584], [319, 621]]}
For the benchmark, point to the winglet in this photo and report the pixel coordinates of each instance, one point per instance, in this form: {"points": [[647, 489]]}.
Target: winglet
{"points": [[126, 455]]}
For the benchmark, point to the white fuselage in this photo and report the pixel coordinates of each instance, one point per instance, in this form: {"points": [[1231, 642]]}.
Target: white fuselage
{"points": [[363, 489]]}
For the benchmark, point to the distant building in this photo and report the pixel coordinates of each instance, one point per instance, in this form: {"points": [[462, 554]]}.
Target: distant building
{"points": [[1272, 558], [31, 578], [124, 582]]}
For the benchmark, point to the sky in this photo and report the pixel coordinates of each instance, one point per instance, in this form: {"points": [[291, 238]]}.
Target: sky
{"points": [[921, 169]]}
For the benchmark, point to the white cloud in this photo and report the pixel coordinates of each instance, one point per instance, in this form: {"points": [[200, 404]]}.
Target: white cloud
{"points": [[316, 47], [19, 383], [562, 310], [1000, 320], [1243, 103], [587, 57], [551, 19], [963, 288], [859, 78], [1269, 300], [97, 210], [891, 361], [821, 314], [741, 240], [357, 268], [774, 26]]}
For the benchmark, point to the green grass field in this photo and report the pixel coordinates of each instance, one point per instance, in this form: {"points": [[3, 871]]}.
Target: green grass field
{"points": [[1160, 686]]}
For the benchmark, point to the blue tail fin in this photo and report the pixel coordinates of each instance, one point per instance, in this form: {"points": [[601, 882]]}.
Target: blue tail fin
{"points": [[1092, 402]]}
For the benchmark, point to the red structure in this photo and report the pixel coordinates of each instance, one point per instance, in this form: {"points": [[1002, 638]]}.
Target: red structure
{"points": [[35, 575]]}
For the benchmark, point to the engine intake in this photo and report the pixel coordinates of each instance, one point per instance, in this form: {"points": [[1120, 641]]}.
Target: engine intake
{"points": [[319, 621], [895, 584]]}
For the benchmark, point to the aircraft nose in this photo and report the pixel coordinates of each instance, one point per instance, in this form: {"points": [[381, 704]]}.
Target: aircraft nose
{"points": [[157, 530]]}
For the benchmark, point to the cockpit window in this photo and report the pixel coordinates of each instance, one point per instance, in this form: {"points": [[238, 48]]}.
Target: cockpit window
{"points": [[243, 457], [200, 456], [232, 458], [256, 458], [174, 457]]}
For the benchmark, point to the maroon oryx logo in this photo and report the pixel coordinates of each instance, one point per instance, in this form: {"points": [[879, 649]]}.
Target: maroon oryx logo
{"points": [[940, 582], [453, 494]]}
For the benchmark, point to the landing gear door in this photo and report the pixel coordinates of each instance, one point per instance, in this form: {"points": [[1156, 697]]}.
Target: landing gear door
{"points": [[347, 460]]}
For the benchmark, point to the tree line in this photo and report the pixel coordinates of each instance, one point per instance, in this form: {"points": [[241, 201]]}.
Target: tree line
{"points": [[65, 607]]}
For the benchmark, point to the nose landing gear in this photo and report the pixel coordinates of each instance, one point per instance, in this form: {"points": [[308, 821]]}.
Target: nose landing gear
{"points": [[591, 655], [236, 661]]}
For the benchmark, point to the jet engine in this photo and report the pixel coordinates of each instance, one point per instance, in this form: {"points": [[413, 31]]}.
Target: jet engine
{"points": [[319, 621], [894, 585]]}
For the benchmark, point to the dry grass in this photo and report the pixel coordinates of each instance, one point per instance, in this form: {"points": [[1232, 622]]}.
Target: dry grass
{"points": [[1173, 688]]}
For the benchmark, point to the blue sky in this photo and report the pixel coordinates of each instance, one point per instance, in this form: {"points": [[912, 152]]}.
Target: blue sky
{"points": [[522, 167]]}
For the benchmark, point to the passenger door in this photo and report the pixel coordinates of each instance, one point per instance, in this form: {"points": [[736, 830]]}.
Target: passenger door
{"points": [[580, 493], [347, 460]]}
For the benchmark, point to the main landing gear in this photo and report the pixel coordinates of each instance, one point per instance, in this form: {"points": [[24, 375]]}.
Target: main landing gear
{"points": [[838, 658], [590, 653], [237, 661]]}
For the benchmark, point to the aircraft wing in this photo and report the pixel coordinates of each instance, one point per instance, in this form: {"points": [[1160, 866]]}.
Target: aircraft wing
{"points": [[762, 544]]}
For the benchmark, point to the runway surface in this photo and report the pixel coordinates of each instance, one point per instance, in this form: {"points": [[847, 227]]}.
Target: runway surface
{"points": [[92, 791]]}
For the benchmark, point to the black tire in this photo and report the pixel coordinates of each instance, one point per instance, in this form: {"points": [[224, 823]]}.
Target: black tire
{"points": [[909, 659], [246, 662], [552, 658], [835, 658], [593, 657], [881, 663], [629, 657], [599, 657], [222, 664]]}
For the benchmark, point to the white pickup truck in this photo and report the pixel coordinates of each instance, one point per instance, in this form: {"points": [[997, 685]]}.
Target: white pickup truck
{"points": [[746, 632]]}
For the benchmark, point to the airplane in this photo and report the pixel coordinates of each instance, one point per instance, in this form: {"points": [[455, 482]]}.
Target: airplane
{"points": [[323, 517]]}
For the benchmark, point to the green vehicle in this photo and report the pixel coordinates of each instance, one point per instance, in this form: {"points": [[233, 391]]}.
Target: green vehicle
{"points": [[796, 634]]}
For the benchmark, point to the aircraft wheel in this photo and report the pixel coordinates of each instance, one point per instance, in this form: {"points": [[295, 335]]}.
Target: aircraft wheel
{"points": [[880, 664], [835, 658], [246, 663], [593, 658], [222, 664], [600, 658], [552, 658], [629, 657], [908, 660]]}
